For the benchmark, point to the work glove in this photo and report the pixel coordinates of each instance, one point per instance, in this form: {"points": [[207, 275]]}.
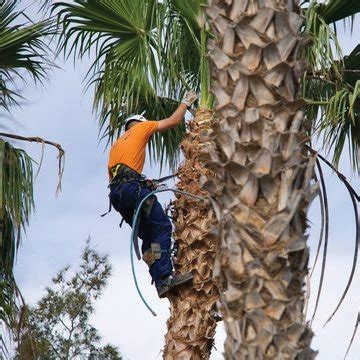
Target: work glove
{"points": [[189, 98]]}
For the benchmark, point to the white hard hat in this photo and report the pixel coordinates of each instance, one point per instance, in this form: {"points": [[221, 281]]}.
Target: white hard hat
{"points": [[134, 118]]}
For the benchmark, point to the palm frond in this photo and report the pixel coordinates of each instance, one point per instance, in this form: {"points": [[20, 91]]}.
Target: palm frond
{"points": [[335, 10], [60, 157], [185, 48], [356, 251], [339, 120], [351, 69], [128, 71], [8, 304], [331, 86], [324, 217], [18, 202], [355, 198], [326, 236], [353, 335], [325, 50], [44, 5], [22, 48]]}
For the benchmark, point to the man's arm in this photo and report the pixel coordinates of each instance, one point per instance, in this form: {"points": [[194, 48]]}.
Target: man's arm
{"points": [[177, 116]]}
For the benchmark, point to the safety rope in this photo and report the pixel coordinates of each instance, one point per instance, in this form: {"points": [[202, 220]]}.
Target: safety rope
{"points": [[134, 235]]}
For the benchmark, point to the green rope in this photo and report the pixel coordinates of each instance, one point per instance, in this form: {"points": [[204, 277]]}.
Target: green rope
{"points": [[134, 235]]}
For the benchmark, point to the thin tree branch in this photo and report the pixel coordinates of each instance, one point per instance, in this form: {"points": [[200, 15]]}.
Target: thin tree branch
{"points": [[64, 324], [69, 338], [61, 155]]}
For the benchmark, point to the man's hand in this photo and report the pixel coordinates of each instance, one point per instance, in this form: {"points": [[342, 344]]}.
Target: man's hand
{"points": [[189, 98], [178, 115]]}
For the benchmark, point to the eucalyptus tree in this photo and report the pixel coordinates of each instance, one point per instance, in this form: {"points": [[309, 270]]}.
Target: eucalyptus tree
{"points": [[264, 170], [23, 54], [58, 326], [146, 54]]}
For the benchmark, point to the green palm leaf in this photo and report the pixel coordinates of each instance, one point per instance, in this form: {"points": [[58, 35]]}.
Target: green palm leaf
{"points": [[331, 86], [22, 47], [134, 69], [184, 60], [17, 201], [334, 105], [335, 10], [351, 70], [125, 71]]}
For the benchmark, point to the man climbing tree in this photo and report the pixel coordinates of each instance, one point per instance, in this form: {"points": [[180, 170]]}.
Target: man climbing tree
{"points": [[128, 187]]}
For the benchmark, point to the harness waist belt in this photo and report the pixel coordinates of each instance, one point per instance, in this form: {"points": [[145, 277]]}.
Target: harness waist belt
{"points": [[121, 170], [122, 173]]}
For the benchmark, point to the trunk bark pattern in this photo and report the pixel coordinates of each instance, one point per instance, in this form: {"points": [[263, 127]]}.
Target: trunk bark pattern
{"points": [[264, 181], [193, 315]]}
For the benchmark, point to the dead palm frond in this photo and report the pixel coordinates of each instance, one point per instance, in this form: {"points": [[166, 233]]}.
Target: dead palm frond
{"points": [[355, 199], [325, 210], [353, 335]]}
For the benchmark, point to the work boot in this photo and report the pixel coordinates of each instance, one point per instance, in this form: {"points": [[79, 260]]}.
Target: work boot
{"points": [[172, 281]]}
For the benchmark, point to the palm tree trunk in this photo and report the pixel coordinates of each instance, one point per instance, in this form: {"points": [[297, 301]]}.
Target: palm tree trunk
{"points": [[193, 315], [264, 178]]}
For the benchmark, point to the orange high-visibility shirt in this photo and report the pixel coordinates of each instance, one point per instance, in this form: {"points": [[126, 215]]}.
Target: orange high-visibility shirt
{"points": [[130, 148]]}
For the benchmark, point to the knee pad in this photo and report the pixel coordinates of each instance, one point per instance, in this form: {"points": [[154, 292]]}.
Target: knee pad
{"points": [[152, 254]]}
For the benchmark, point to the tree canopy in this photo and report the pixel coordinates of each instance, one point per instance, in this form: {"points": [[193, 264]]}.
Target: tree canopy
{"points": [[58, 327]]}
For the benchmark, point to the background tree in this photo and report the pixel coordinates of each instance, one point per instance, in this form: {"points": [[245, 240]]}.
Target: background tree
{"points": [[58, 326]]}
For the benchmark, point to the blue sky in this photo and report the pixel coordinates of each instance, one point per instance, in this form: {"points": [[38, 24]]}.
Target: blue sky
{"points": [[60, 111]]}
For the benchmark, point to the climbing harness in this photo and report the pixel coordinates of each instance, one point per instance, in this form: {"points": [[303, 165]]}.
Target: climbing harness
{"points": [[123, 174], [134, 234]]}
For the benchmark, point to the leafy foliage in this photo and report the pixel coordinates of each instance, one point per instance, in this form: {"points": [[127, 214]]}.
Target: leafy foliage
{"points": [[17, 187], [58, 326], [184, 61], [335, 10], [144, 60], [16, 200], [331, 86]]}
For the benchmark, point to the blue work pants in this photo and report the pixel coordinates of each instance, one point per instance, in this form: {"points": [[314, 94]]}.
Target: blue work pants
{"points": [[154, 228]]}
